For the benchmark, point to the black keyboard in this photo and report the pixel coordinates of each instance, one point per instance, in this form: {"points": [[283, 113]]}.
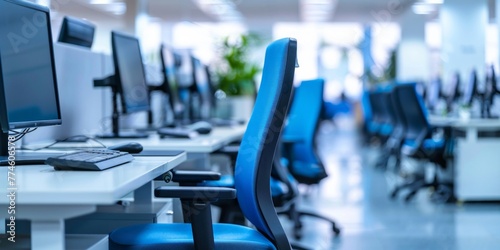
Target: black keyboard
{"points": [[95, 160], [178, 133]]}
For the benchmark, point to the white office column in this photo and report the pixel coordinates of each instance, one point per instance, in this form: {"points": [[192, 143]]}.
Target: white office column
{"points": [[463, 24], [136, 15], [497, 17], [413, 62]]}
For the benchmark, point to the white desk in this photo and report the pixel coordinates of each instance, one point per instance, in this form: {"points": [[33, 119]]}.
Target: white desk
{"points": [[477, 159], [198, 149], [218, 138], [471, 126], [47, 197]]}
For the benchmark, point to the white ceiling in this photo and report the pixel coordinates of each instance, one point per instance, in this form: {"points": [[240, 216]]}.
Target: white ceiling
{"points": [[275, 10], [255, 11]]}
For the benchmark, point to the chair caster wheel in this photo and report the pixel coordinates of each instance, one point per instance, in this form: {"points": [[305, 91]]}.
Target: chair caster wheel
{"points": [[297, 234], [442, 195], [410, 196], [336, 230], [394, 193]]}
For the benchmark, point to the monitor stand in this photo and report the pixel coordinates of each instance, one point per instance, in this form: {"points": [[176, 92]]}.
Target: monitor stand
{"points": [[115, 117], [19, 158]]}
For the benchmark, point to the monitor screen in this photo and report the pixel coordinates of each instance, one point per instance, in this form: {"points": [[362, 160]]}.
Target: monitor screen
{"points": [[202, 82], [433, 92], [76, 31], [129, 72], [169, 71], [185, 71], [470, 89], [28, 84]]}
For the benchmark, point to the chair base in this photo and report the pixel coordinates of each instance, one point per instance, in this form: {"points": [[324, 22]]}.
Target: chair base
{"points": [[294, 214], [443, 192]]}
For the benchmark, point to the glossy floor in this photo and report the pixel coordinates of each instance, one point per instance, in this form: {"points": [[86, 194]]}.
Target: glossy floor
{"points": [[356, 196]]}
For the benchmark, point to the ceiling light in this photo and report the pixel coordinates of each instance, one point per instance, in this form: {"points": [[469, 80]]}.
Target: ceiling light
{"points": [[432, 1], [113, 6], [317, 10], [101, 1], [423, 8], [224, 10]]}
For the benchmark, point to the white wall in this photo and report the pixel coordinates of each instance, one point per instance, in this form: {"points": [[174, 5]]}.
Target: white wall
{"points": [[463, 24], [413, 62]]}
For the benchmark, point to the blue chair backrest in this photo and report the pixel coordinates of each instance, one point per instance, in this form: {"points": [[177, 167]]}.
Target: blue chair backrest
{"points": [[379, 103], [304, 118], [398, 117], [366, 106], [258, 146], [414, 111]]}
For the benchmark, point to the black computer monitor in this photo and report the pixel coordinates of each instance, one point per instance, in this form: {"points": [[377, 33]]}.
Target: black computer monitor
{"points": [[489, 92], [28, 83], [491, 82], [203, 89], [77, 31], [470, 89], [433, 93], [170, 62], [129, 73], [128, 82], [453, 94]]}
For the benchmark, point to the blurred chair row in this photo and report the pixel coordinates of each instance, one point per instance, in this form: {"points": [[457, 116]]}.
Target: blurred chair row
{"points": [[396, 115]]}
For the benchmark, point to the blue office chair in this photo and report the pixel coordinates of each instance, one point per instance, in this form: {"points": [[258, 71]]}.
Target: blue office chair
{"points": [[252, 179], [394, 143], [381, 118], [418, 143], [382, 123], [375, 125], [299, 148], [303, 121]]}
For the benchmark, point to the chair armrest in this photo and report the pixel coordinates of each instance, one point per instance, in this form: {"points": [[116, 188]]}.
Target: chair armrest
{"points": [[202, 194], [194, 176], [291, 139], [229, 149]]}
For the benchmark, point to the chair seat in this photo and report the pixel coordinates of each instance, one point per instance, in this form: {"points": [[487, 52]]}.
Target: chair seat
{"points": [[308, 173], [373, 127], [277, 187], [428, 144], [224, 181], [385, 129], [179, 236], [379, 128]]}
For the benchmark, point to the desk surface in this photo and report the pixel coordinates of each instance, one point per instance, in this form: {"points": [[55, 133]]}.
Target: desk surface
{"points": [[41, 184], [219, 137], [455, 122]]}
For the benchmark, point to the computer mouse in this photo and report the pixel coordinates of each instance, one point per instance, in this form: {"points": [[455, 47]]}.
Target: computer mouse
{"points": [[201, 127], [129, 147]]}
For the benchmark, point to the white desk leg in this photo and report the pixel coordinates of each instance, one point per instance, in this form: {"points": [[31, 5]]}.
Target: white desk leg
{"points": [[47, 234], [471, 134], [144, 194], [47, 222]]}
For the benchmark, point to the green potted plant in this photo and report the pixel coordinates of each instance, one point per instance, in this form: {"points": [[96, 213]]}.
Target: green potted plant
{"points": [[236, 74]]}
